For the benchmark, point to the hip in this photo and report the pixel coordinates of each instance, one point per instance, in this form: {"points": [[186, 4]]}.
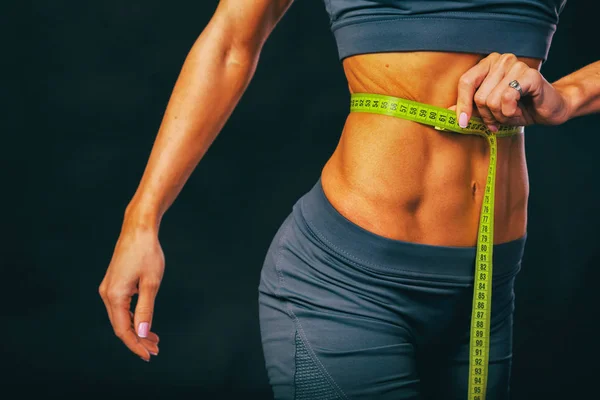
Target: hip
{"points": [[332, 294]]}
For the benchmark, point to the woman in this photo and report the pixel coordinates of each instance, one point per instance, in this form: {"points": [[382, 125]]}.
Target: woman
{"points": [[366, 289]]}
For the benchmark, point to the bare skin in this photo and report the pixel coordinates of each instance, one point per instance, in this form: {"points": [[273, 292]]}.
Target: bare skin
{"points": [[410, 182], [396, 178]]}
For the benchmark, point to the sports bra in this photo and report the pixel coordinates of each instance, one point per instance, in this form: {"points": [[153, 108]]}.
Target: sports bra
{"points": [[522, 27]]}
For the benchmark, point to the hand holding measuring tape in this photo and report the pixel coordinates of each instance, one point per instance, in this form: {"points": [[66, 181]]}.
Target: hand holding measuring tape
{"points": [[488, 85]]}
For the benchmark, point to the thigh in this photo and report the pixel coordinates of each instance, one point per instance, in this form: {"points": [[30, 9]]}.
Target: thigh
{"points": [[318, 341]]}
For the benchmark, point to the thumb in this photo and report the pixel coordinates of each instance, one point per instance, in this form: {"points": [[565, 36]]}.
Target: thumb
{"points": [[144, 309]]}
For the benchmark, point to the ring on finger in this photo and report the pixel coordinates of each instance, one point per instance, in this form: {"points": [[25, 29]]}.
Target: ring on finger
{"points": [[515, 85]]}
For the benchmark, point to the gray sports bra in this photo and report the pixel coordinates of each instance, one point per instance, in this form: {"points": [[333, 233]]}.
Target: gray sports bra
{"points": [[522, 27]]}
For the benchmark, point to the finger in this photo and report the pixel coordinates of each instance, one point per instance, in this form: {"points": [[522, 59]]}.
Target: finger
{"points": [[153, 337], [468, 84], [509, 106], [503, 100], [107, 304], [122, 325], [150, 342], [148, 288], [497, 73], [104, 296], [150, 346], [532, 87]]}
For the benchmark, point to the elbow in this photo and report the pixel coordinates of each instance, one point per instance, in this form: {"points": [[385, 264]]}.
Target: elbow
{"points": [[236, 56]]}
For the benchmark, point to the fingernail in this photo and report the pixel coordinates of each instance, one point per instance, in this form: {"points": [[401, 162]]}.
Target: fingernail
{"points": [[143, 329], [154, 354], [145, 359], [493, 128], [463, 121]]}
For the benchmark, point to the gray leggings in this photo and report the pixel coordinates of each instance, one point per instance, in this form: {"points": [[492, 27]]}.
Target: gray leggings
{"points": [[348, 314]]}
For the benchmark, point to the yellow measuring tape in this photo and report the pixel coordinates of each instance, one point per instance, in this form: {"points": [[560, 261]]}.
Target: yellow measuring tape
{"points": [[445, 120]]}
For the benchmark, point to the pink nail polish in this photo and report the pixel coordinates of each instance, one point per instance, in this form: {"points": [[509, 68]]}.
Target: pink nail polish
{"points": [[154, 354], [493, 128], [143, 328], [463, 120]]}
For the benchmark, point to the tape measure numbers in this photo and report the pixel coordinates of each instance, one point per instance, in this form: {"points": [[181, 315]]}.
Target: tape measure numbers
{"points": [[445, 120]]}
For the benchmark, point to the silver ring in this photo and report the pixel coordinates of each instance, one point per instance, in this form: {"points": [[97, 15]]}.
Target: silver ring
{"points": [[515, 85]]}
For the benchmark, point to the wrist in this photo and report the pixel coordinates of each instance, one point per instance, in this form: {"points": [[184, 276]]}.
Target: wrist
{"points": [[141, 216], [570, 94]]}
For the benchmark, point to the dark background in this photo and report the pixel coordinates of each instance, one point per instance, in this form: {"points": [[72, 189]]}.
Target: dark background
{"points": [[88, 87]]}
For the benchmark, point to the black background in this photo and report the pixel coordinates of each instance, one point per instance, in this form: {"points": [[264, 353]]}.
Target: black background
{"points": [[88, 86]]}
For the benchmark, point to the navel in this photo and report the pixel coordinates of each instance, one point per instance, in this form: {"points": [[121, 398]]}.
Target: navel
{"points": [[474, 188]]}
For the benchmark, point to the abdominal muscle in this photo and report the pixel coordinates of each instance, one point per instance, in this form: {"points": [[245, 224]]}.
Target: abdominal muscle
{"points": [[407, 181]]}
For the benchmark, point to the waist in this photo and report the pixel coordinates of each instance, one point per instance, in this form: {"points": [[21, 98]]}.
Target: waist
{"points": [[407, 181], [316, 213]]}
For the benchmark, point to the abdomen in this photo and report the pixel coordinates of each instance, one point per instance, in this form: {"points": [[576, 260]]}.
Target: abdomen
{"points": [[410, 182]]}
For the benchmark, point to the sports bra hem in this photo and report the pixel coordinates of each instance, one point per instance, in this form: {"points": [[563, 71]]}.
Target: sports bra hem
{"points": [[485, 35]]}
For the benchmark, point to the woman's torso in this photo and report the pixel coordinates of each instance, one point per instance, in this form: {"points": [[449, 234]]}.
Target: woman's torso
{"points": [[407, 181]]}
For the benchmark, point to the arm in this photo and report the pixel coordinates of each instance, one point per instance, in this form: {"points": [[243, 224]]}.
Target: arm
{"points": [[581, 90], [485, 87], [213, 78]]}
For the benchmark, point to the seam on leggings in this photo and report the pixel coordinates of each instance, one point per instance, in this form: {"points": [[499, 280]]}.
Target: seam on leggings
{"points": [[312, 354], [279, 250], [397, 271], [290, 312]]}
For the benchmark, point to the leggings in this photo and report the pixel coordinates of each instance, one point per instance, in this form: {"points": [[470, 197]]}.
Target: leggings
{"points": [[348, 314]]}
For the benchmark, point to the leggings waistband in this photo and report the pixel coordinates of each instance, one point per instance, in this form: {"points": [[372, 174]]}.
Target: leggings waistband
{"points": [[362, 246]]}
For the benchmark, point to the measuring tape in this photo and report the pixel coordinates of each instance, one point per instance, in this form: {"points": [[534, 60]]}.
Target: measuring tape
{"points": [[445, 120]]}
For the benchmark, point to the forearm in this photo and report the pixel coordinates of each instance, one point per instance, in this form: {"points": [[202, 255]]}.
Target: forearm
{"points": [[581, 90], [212, 80]]}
